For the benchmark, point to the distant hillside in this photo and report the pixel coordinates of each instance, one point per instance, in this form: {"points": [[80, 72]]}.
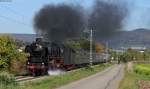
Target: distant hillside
{"points": [[137, 37], [23, 37]]}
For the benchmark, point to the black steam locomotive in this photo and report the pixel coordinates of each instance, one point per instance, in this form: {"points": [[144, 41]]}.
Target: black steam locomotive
{"points": [[45, 56]]}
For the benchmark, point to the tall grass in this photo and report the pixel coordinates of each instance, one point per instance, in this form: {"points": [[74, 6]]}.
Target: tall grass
{"points": [[6, 78], [130, 81], [7, 81]]}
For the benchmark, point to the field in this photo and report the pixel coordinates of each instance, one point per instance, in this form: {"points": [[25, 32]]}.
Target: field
{"points": [[138, 78], [56, 81]]}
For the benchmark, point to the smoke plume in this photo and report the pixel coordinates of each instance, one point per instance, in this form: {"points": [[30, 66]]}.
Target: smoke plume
{"points": [[59, 22], [106, 19]]}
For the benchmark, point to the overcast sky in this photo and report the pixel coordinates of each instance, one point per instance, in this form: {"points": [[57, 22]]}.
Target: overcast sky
{"points": [[17, 16]]}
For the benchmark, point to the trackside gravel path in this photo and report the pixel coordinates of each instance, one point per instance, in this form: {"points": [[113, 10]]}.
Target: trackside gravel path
{"points": [[107, 79]]}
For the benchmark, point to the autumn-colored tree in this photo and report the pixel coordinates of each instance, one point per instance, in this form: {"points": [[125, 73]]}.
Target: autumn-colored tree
{"points": [[10, 58], [99, 48], [132, 54]]}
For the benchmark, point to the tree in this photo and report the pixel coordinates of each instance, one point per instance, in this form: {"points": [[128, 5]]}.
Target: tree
{"points": [[132, 55], [146, 55], [113, 55], [99, 48], [85, 44], [20, 43], [10, 57], [72, 44]]}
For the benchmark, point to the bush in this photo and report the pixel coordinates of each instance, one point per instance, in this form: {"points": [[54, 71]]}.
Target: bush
{"points": [[7, 79], [142, 69], [9, 55]]}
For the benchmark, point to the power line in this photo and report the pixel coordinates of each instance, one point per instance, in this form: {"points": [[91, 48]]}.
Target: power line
{"points": [[13, 11], [18, 14], [16, 21]]}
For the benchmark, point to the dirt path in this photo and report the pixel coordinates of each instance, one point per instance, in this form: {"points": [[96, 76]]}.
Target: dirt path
{"points": [[130, 66], [107, 79]]}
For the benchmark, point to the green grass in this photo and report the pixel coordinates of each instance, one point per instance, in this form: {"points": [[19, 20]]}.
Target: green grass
{"points": [[142, 69], [7, 81], [57, 81], [131, 79]]}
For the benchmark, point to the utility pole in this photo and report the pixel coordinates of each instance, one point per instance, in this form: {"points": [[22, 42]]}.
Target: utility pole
{"points": [[91, 48], [106, 52]]}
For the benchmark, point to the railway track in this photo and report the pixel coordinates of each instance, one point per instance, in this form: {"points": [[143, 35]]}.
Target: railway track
{"points": [[31, 78], [24, 78]]}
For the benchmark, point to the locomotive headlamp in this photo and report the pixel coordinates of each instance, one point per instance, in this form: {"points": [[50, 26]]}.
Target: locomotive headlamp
{"points": [[42, 63], [28, 63], [40, 46]]}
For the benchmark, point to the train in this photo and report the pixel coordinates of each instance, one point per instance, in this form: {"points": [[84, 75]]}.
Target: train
{"points": [[46, 56]]}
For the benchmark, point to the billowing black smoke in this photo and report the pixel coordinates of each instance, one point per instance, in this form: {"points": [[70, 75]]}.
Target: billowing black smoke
{"points": [[59, 22], [106, 19]]}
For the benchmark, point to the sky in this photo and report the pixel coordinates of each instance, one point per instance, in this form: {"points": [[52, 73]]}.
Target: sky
{"points": [[16, 16]]}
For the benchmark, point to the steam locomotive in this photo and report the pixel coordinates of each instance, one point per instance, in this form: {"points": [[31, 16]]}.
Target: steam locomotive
{"points": [[45, 56]]}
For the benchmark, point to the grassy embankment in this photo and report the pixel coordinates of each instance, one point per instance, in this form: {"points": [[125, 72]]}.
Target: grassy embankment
{"points": [[57, 81], [132, 78]]}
